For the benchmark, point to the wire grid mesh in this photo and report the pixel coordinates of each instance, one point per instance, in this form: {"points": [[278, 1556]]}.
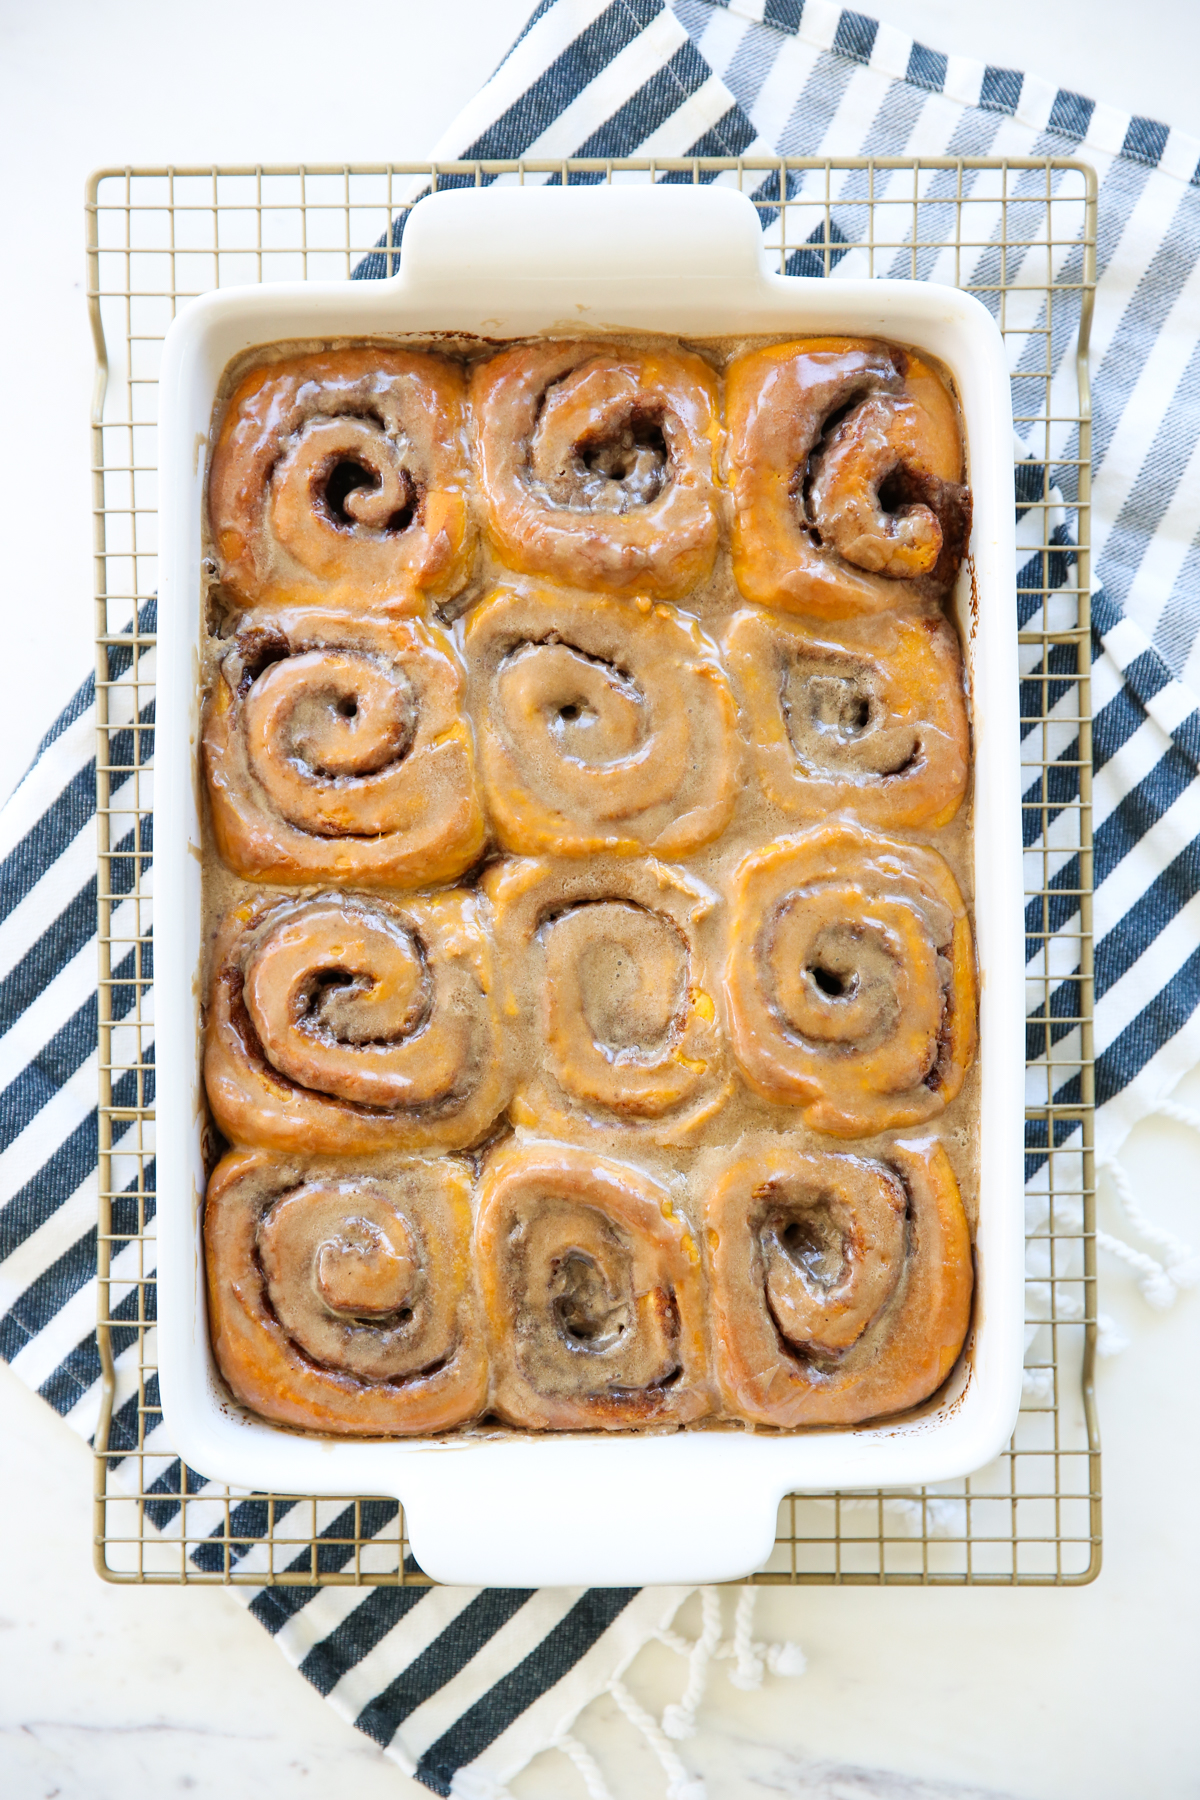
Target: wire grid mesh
{"points": [[1020, 234]]}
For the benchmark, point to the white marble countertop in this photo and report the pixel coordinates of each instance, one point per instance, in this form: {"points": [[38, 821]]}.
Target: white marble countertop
{"points": [[109, 1692]]}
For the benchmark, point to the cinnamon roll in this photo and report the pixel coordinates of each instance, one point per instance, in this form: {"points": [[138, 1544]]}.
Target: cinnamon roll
{"points": [[872, 717], [591, 1289], [841, 1285], [341, 1299], [336, 750], [851, 979], [607, 959], [596, 464], [601, 727], [342, 1025], [846, 467], [340, 477]]}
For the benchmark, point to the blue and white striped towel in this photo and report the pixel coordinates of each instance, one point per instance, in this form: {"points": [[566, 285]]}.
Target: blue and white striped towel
{"points": [[464, 1688]]}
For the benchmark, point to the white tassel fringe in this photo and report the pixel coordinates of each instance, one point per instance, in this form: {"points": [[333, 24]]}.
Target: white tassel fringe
{"points": [[750, 1661], [1158, 1282]]}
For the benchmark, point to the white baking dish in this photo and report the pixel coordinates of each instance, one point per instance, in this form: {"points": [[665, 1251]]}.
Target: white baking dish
{"points": [[615, 1510]]}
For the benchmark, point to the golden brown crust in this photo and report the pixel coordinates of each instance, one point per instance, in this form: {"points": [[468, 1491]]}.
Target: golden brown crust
{"points": [[596, 464], [342, 1025], [592, 1291], [870, 716], [816, 429], [598, 997], [337, 749], [840, 1286], [342, 1299], [340, 478], [602, 726], [851, 979], [608, 962]]}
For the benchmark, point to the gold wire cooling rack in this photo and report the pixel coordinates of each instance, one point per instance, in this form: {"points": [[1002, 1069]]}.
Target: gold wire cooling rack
{"points": [[1021, 235]]}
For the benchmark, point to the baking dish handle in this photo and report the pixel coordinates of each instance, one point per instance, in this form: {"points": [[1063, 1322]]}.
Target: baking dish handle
{"points": [[588, 1510], [599, 235]]}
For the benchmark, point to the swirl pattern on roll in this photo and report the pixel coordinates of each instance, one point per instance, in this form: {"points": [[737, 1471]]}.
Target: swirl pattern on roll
{"points": [[340, 477], [840, 1285], [336, 750], [342, 1025], [342, 1299], [592, 1292], [851, 979], [870, 717], [601, 727], [596, 464], [846, 469], [608, 960]]}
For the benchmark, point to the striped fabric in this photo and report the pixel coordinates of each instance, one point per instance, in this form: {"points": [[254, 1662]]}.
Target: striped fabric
{"points": [[462, 1688]]}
